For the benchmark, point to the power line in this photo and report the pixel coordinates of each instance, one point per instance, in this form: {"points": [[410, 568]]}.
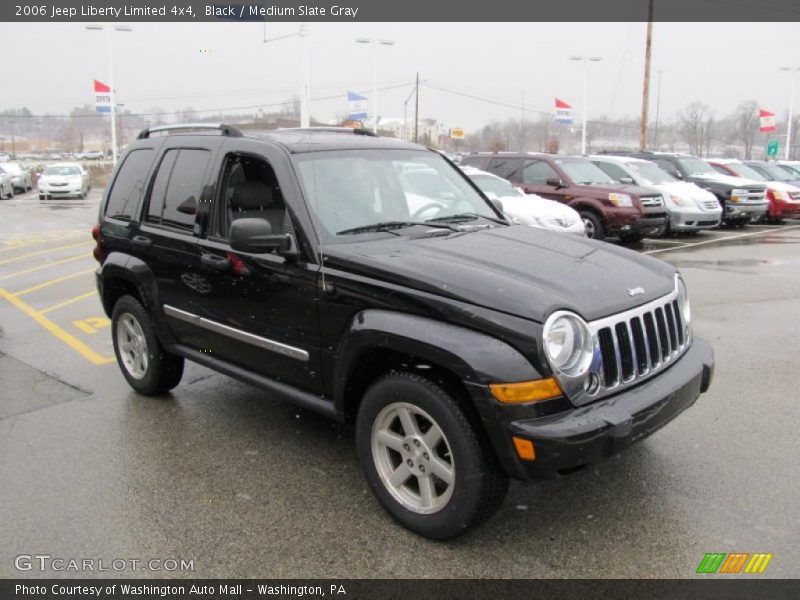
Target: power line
{"points": [[203, 111]]}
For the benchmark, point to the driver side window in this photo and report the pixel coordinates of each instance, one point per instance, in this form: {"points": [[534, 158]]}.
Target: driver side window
{"points": [[250, 189], [537, 172]]}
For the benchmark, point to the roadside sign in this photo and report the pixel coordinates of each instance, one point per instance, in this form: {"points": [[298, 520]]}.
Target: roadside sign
{"points": [[772, 148], [456, 133], [102, 97]]}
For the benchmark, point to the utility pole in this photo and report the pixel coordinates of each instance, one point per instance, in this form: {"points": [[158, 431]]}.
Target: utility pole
{"points": [[646, 86], [794, 71], [658, 108], [304, 34], [416, 112]]}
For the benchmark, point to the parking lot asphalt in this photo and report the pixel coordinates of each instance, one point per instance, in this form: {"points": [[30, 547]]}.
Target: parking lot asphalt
{"points": [[220, 474]]}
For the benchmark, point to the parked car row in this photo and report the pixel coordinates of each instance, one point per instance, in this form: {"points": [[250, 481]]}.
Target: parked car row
{"points": [[56, 180], [635, 194]]}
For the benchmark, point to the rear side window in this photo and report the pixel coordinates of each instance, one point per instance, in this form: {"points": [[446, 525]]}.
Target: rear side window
{"points": [[177, 187], [537, 172], [507, 168], [124, 197]]}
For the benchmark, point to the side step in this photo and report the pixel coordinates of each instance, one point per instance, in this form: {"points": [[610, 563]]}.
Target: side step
{"points": [[282, 391]]}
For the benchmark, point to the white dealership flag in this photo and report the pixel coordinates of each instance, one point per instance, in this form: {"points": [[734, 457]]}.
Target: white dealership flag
{"points": [[767, 120], [563, 112], [102, 97], [357, 105]]}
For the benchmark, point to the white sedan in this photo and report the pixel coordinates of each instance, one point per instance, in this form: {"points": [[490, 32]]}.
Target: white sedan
{"points": [[63, 179], [527, 209]]}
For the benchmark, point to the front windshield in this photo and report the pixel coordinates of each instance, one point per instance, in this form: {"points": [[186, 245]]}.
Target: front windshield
{"points": [[355, 189], [650, 174], [695, 166], [583, 172], [745, 171], [62, 171], [776, 173], [494, 186]]}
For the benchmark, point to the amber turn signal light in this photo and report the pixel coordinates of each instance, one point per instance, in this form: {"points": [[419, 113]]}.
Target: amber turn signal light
{"points": [[526, 391], [525, 449]]}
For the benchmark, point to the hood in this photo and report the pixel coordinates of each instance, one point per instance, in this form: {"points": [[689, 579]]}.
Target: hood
{"points": [[531, 204], [728, 179], [522, 271], [685, 189], [782, 186], [619, 188]]}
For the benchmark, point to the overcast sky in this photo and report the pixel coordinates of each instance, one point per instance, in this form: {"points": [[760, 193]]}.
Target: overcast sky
{"points": [[162, 65]]}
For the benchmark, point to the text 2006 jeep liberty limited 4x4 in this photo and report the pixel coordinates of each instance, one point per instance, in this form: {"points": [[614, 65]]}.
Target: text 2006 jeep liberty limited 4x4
{"points": [[465, 350]]}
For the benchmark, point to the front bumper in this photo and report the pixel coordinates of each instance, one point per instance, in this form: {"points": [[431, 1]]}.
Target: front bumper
{"points": [[61, 191], [745, 212], [568, 440], [780, 209], [694, 220]]}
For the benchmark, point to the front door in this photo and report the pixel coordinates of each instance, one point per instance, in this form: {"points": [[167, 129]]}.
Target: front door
{"points": [[260, 311]]}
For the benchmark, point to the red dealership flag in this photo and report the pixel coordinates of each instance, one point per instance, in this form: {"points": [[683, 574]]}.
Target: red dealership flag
{"points": [[99, 86], [767, 120], [561, 104]]}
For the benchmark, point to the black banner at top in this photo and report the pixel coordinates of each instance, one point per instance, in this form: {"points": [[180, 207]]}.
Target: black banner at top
{"points": [[401, 10]]}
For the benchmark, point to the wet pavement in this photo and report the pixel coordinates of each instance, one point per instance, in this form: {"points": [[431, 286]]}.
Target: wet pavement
{"points": [[219, 474]]}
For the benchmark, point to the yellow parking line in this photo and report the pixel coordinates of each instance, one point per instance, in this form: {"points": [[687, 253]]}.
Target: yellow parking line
{"points": [[39, 241], [68, 302], [45, 266], [53, 281], [57, 331], [40, 252]]}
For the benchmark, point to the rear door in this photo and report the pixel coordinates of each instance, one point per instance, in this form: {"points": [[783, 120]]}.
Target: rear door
{"points": [[167, 239]]}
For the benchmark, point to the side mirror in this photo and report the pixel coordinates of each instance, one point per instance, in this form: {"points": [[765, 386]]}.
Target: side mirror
{"points": [[188, 206], [255, 236], [555, 182], [628, 180], [498, 204]]}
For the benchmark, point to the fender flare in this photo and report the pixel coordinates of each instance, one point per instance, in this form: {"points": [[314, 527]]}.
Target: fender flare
{"points": [[135, 271], [472, 356]]}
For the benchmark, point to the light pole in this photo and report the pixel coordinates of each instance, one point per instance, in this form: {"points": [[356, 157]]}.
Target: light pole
{"points": [[304, 34], [794, 71], [374, 43], [586, 60], [108, 29]]}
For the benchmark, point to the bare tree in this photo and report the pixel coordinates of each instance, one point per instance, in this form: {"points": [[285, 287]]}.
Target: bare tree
{"points": [[694, 124], [744, 122]]}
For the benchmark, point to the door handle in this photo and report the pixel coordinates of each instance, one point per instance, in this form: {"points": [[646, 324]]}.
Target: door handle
{"points": [[215, 262], [140, 240]]}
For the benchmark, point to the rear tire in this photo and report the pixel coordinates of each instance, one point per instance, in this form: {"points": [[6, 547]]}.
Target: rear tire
{"points": [[437, 489], [593, 224], [148, 368]]}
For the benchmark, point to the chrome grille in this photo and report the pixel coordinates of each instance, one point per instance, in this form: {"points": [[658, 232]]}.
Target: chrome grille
{"points": [[710, 204], [636, 344], [649, 201]]}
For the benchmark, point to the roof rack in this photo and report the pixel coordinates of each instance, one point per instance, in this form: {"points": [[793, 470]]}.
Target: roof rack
{"points": [[226, 130], [327, 129]]}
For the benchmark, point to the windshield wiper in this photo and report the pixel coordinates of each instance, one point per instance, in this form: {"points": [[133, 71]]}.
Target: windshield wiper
{"points": [[390, 226], [465, 216]]}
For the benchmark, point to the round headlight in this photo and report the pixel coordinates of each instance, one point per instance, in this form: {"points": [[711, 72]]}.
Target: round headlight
{"points": [[568, 344], [683, 301]]}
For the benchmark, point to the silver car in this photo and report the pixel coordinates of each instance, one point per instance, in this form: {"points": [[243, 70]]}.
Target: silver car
{"points": [[6, 187], [20, 176]]}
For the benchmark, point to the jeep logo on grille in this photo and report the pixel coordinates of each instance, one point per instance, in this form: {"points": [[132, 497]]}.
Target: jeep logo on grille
{"points": [[637, 291]]}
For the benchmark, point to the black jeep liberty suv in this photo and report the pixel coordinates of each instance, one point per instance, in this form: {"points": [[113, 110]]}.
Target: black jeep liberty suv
{"points": [[464, 350]]}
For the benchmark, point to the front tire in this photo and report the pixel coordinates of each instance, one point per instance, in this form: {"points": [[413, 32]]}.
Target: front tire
{"points": [[148, 368], [593, 225], [423, 459]]}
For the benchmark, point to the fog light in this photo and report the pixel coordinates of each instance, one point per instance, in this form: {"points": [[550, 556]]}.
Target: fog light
{"points": [[524, 448]]}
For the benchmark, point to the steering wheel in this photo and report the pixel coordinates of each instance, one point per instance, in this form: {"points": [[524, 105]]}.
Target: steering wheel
{"points": [[427, 206]]}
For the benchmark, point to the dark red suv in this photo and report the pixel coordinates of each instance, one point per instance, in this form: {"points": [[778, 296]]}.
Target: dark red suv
{"points": [[606, 207]]}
